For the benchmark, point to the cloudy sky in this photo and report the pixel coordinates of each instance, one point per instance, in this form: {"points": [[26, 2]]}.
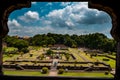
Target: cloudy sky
{"points": [[58, 17]]}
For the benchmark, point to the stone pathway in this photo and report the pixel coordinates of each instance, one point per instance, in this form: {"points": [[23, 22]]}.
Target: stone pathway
{"points": [[53, 71]]}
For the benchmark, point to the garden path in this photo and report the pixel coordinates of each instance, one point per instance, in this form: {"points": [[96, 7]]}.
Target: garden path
{"points": [[53, 71]]}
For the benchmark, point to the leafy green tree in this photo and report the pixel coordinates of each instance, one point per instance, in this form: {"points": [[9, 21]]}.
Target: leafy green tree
{"points": [[49, 52], [67, 55], [21, 44]]}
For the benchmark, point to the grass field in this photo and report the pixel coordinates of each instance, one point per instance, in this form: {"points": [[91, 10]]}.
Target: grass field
{"points": [[73, 74], [86, 74], [88, 57], [74, 51], [111, 61], [24, 73], [6, 57]]}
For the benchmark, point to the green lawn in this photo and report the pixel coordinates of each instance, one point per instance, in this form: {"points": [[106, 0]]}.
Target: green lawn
{"points": [[24, 73], [88, 57], [86, 74], [112, 56], [74, 51], [111, 61], [6, 57], [74, 74]]}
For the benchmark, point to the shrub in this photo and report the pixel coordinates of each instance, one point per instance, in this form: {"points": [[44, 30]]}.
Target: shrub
{"points": [[10, 55], [44, 70], [106, 73], [96, 63], [25, 50], [31, 55], [105, 59], [60, 71], [49, 52]]}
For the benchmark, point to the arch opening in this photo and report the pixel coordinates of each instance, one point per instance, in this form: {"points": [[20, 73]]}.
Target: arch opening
{"points": [[54, 14]]}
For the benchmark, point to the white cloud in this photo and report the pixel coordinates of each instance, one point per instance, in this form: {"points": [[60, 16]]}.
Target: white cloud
{"points": [[77, 13], [21, 30], [30, 16], [65, 3], [13, 23], [69, 23], [56, 14], [34, 3], [49, 4], [74, 18], [79, 19]]}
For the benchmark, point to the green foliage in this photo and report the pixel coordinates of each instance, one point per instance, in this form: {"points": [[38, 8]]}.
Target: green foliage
{"points": [[106, 73], [70, 42], [10, 50], [44, 70], [14, 41], [31, 55], [25, 50], [92, 41], [41, 56], [49, 52], [96, 63], [60, 71], [67, 55], [104, 59], [20, 44], [10, 55], [75, 63], [41, 40]]}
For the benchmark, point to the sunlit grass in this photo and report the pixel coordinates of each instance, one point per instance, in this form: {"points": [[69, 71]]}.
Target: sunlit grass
{"points": [[6, 57], [73, 74], [23, 73], [111, 61], [74, 51], [87, 57], [86, 74]]}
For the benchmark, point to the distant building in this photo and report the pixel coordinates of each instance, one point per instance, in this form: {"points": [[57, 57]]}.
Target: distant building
{"points": [[59, 47], [24, 37]]}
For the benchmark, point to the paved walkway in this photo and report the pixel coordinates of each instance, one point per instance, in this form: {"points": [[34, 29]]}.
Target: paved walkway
{"points": [[53, 73], [53, 70]]}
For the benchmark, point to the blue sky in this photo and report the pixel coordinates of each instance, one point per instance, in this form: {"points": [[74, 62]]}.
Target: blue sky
{"points": [[58, 17]]}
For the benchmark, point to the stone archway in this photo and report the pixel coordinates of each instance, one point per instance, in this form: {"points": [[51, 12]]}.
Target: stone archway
{"points": [[105, 5]]}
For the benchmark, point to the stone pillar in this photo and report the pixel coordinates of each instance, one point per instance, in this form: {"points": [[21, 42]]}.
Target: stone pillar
{"points": [[117, 71], [1, 57]]}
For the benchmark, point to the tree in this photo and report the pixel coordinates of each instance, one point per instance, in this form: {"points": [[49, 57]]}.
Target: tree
{"points": [[49, 52], [67, 55], [21, 44], [70, 42], [50, 41]]}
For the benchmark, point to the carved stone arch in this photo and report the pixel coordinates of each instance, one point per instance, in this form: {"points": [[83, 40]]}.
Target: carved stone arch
{"points": [[11, 8], [8, 7], [105, 5], [114, 31]]}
